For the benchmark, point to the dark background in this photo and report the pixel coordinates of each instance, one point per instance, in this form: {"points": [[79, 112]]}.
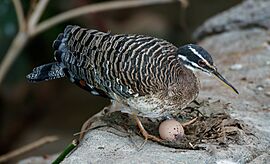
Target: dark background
{"points": [[31, 111]]}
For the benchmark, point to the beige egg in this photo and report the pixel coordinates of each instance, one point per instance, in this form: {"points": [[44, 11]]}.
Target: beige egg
{"points": [[171, 130]]}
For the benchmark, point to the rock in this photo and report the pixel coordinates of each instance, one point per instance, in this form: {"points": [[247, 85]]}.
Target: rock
{"points": [[236, 67], [263, 158], [108, 145], [267, 94], [249, 14], [260, 87], [238, 36], [39, 160]]}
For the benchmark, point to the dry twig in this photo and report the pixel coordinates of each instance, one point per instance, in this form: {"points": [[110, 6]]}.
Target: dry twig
{"points": [[19, 13], [94, 8], [27, 148], [35, 16]]}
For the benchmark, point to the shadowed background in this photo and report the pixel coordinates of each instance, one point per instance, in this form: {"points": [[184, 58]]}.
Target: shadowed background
{"points": [[31, 111]]}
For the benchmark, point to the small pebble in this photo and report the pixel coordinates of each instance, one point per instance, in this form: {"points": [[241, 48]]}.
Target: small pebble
{"points": [[267, 93], [244, 78], [236, 67], [260, 88], [171, 130], [267, 81]]}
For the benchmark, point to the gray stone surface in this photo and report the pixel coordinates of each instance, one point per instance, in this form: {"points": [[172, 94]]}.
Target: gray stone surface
{"points": [[248, 47], [103, 147], [249, 14], [39, 160]]}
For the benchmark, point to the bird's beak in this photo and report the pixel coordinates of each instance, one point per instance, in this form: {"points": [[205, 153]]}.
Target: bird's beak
{"points": [[218, 75]]}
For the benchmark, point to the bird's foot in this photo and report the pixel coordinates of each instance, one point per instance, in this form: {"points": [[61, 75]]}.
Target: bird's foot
{"points": [[146, 135]]}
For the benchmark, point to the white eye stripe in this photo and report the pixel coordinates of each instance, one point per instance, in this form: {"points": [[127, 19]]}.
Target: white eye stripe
{"points": [[198, 54], [195, 52], [182, 57], [185, 59], [191, 65], [210, 66], [200, 68]]}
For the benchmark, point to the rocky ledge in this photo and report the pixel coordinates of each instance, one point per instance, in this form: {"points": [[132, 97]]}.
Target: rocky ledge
{"points": [[239, 41]]}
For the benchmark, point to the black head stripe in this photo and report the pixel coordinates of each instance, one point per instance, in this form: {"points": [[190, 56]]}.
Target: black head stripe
{"points": [[203, 53]]}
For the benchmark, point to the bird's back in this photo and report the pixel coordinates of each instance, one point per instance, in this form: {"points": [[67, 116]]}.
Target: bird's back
{"points": [[123, 65], [143, 74]]}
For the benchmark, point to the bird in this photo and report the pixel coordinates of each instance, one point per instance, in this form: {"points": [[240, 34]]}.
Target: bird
{"points": [[141, 75]]}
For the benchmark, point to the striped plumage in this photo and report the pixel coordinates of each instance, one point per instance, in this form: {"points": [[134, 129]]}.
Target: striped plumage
{"points": [[142, 73]]}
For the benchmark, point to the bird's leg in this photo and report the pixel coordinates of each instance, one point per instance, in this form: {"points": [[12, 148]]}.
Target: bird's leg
{"points": [[144, 132]]}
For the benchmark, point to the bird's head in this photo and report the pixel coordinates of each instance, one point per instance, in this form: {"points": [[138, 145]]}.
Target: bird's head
{"points": [[195, 57]]}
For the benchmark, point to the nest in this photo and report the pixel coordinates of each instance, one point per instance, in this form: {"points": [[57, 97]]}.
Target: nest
{"points": [[213, 126]]}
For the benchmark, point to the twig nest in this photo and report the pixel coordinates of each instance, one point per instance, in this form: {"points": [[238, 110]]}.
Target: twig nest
{"points": [[171, 130]]}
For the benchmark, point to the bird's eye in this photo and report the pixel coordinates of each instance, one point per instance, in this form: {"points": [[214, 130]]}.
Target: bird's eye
{"points": [[201, 63]]}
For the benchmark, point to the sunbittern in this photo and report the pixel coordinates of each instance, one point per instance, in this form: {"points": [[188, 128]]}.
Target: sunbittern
{"points": [[142, 75]]}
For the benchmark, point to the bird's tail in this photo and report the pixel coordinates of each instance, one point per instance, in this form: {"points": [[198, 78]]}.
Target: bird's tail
{"points": [[46, 72], [52, 70]]}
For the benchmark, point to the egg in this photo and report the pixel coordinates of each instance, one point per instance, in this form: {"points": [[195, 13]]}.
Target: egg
{"points": [[171, 130]]}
